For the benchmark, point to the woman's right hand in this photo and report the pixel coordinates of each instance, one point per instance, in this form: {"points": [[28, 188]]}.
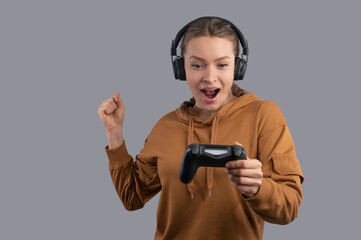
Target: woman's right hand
{"points": [[111, 111]]}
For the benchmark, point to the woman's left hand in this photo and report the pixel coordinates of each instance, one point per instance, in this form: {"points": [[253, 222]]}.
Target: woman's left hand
{"points": [[245, 175]]}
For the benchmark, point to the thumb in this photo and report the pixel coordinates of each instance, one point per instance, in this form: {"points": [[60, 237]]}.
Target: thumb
{"points": [[237, 143], [117, 99]]}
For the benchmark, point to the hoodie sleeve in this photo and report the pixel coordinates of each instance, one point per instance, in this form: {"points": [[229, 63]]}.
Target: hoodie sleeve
{"points": [[280, 193], [135, 182]]}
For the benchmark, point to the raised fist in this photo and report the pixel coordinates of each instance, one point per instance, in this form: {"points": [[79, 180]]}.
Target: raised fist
{"points": [[111, 111]]}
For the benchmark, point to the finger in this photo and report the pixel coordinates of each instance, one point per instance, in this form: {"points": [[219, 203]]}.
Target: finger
{"points": [[251, 173], [248, 191], [100, 112], [102, 109], [249, 163], [108, 111], [118, 100], [109, 107], [244, 181], [115, 102], [237, 143], [116, 95]]}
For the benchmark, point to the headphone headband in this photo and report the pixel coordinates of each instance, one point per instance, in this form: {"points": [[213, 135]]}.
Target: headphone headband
{"points": [[181, 32]]}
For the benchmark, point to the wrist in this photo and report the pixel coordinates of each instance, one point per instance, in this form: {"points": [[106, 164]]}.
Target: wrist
{"points": [[115, 138], [249, 195], [114, 131]]}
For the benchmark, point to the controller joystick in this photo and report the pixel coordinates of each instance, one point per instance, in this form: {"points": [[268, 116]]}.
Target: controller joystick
{"points": [[194, 149]]}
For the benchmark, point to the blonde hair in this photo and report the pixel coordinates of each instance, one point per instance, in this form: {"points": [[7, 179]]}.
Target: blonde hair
{"points": [[211, 27]]}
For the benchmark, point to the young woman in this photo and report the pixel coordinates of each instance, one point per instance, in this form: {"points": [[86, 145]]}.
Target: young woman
{"points": [[219, 203]]}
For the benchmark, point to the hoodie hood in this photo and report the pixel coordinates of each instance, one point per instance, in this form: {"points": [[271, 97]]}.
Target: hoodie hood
{"points": [[186, 113]]}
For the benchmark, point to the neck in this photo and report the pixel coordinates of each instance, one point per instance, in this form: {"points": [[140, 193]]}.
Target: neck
{"points": [[205, 114], [202, 113]]}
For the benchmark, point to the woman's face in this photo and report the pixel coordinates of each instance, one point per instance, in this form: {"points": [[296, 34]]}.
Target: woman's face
{"points": [[209, 65]]}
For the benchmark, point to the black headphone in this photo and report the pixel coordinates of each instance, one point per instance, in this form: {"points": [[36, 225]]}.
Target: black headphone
{"points": [[178, 61]]}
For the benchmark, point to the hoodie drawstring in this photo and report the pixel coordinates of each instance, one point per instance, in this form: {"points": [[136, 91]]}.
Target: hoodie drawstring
{"points": [[190, 141], [213, 141], [190, 185]]}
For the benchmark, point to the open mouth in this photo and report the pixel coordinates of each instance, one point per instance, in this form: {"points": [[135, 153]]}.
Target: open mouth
{"points": [[210, 93]]}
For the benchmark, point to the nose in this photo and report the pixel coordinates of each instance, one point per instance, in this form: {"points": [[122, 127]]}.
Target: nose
{"points": [[210, 74]]}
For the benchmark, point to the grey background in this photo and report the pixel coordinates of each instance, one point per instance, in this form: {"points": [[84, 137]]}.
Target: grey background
{"points": [[59, 60]]}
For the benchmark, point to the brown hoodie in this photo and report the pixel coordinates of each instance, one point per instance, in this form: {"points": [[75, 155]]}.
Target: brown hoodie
{"points": [[209, 207]]}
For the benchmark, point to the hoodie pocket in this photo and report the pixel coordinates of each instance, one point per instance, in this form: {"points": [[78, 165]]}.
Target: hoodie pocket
{"points": [[287, 165]]}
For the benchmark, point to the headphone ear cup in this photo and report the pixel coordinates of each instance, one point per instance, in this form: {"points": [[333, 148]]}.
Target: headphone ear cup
{"points": [[182, 71], [240, 67], [175, 68], [178, 68]]}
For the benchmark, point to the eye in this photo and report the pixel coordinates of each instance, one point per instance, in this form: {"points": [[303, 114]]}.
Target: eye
{"points": [[196, 66], [223, 65]]}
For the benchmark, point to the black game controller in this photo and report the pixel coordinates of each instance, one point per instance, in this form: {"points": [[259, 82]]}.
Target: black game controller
{"points": [[207, 155]]}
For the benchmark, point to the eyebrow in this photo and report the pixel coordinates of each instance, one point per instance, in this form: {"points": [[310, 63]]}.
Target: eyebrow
{"points": [[201, 59]]}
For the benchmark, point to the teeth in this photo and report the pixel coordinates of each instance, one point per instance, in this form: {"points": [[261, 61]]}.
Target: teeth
{"points": [[209, 90]]}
